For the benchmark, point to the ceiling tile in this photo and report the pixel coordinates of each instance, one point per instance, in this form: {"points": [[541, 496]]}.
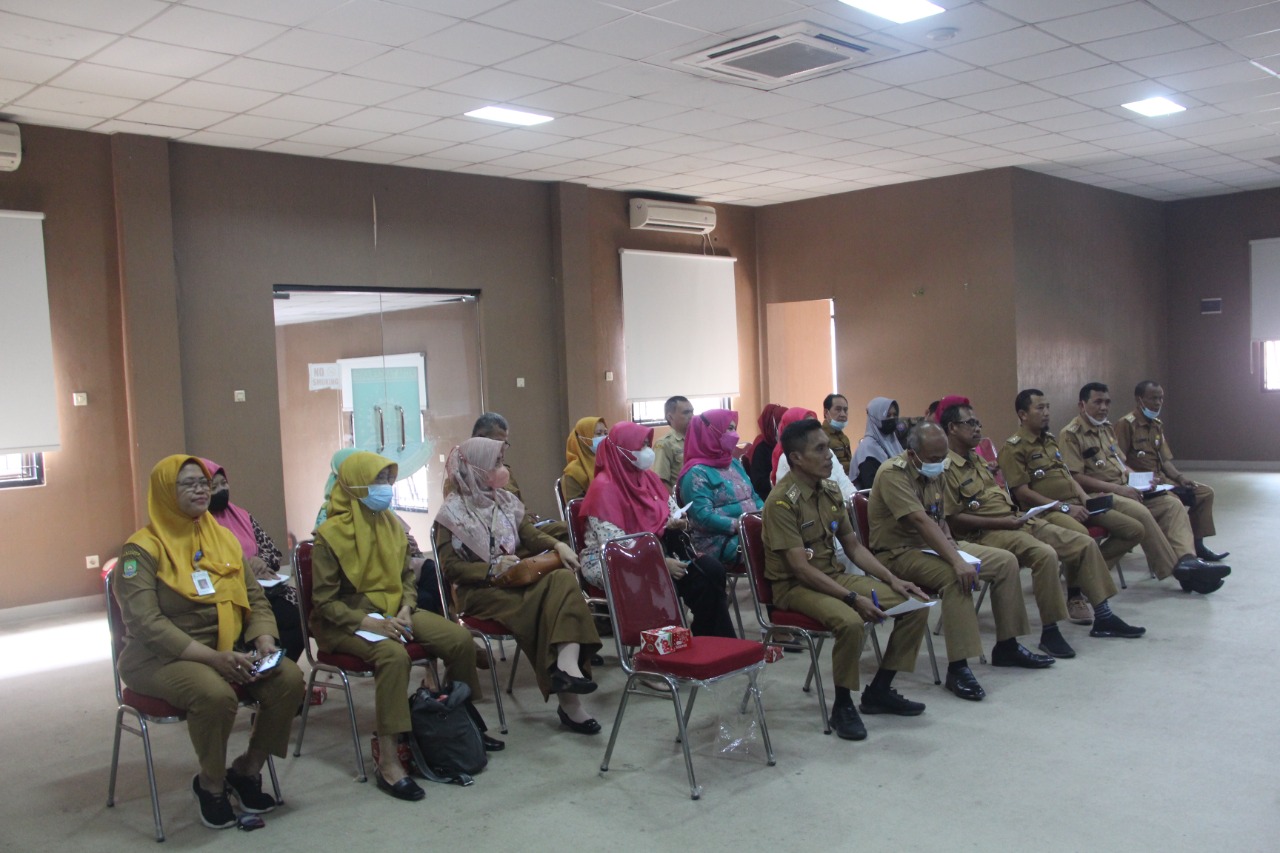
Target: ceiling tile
{"points": [[50, 118], [30, 67], [224, 140], [1241, 24], [722, 16], [480, 45], [972, 21], [11, 90], [1034, 11], [902, 70], [1010, 96], [630, 157], [684, 145], [290, 13], [965, 83], [748, 131], [928, 113], [1149, 43], [379, 22], [298, 108], [340, 137], [759, 105], [494, 86], [551, 19], [1114, 21], [883, 101], [1066, 61], [530, 160], [693, 121], [49, 39], [565, 64], [634, 78], [382, 121], [523, 139], [637, 110], [455, 130], [105, 80], [1041, 110], [637, 37], [833, 88], [174, 115], [633, 135], [187, 27], [215, 96], [303, 149], [269, 128], [563, 100], [54, 99], [968, 124], [428, 102], [354, 90], [365, 155], [906, 136], [118, 16], [318, 50], [810, 118], [1221, 75], [1180, 61], [1092, 79], [268, 76], [793, 141], [406, 146]]}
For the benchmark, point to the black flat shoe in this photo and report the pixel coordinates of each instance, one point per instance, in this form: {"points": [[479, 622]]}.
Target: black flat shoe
{"points": [[1053, 644], [847, 724], [492, 744], [563, 682], [1204, 586], [1205, 554], [1114, 626], [597, 660], [586, 727], [1019, 656], [405, 789], [963, 684]]}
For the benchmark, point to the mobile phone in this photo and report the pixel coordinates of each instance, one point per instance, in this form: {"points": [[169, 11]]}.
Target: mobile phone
{"points": [[268, 663]]}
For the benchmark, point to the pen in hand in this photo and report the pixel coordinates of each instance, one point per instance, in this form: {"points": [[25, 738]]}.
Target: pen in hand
{"points": [[876, 601]]}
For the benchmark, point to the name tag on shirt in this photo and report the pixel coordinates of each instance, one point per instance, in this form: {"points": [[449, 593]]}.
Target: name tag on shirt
{"points": [[204, 585]]}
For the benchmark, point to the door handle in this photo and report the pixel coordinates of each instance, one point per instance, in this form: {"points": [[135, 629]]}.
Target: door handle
{"points": [[382, 429], [403, 442]]}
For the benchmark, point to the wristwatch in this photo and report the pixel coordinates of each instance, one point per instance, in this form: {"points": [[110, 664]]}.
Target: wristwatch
{"points": [[1064, 508], [851, 599]]}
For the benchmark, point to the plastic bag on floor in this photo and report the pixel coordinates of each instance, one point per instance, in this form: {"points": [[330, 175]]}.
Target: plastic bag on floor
{"points": [[724, 720]]}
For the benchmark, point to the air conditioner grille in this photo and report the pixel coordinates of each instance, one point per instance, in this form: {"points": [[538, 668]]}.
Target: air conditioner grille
{"points": [[787, 60]]}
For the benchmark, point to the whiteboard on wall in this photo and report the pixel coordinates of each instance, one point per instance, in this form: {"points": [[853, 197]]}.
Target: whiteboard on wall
{"points": [[28, 396], [1264, 286], [680, 325]]}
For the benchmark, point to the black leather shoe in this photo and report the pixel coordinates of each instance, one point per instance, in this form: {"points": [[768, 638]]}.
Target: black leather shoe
{"points": [[248, 790], [1205, 554], [889, 701], [1020, 656], [846, 722], [1114, 626], [588, 726], [962, 683], [405, 789], [1204, 586], [597, 660], [1052, 643], [563, 682], [1193, 568], [492, 744]]}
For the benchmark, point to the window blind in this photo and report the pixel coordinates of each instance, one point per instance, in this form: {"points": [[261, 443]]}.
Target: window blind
{"points": [[28, 397], [1264, 284]]}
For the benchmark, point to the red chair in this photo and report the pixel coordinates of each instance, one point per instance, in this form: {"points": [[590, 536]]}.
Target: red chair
{"points": [[145, 710], [641, 596], [342, 665], [561, 503], [986, 451]]}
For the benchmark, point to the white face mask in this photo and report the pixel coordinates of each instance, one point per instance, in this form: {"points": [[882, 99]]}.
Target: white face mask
{"points": [[1095, 422], [644, 458]]}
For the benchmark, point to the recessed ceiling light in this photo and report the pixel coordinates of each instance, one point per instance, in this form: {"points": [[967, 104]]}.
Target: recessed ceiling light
{"points": [[898, 11], [506, 115], [1152, 107]]}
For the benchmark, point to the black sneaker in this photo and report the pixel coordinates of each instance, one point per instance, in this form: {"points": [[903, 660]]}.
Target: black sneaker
{"points": [[847, 723], [889, 701], [215, 809], [248, 791], [1114, 626], [1052, 643]]}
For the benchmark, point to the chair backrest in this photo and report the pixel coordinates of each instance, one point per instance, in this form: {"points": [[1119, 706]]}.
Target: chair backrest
{"points": [[115, 628], [560, 502], [639, 588], [986, 451], [753, 552], [860, 517], [438, 532], [302, 578], [577, 525]]}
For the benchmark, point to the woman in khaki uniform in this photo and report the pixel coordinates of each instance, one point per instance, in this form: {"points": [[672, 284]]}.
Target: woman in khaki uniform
{"points": [[196, 622], [362, 580], [482, 531]]}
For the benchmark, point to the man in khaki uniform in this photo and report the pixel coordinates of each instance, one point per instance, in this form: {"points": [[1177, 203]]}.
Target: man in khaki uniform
{"points": [[493, 425], [669, 450], [1140, 435], [835, 417], [979, 509], [804, 516], [905, 514], [1094, 459]]}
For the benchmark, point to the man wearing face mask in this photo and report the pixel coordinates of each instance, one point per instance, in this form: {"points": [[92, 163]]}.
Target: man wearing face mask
{"points": [[909, 535], [835, 417], [493, 425], [1141, 437], [1093, 456]]}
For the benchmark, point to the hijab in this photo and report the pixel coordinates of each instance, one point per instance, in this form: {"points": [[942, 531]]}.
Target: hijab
{"points": [[234, 518], [485, 519], [769, 429], [946, 403], [181, 545], [635, 501], [579, 454], [705, 440], [334, 464], [799, 413], [370, 546], [875, 444]]}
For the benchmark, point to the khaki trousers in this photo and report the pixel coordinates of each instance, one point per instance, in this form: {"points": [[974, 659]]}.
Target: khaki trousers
{"points": [[959, 621], [211, 707], [847, 626], [1037, 556], [1123, 532], [1081, 558], [1166, 528], [1202, 513]]}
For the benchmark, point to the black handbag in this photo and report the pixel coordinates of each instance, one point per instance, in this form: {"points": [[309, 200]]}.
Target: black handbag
{"points": [[679, 545]]}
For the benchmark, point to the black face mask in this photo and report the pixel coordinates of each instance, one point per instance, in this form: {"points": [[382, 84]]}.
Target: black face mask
{"points": [[888, 426], [219, 500]]}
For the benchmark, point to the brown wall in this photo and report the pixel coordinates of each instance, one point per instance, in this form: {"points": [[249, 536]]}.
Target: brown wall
{"points": [[86, 506], [1216, 408], [872, 251], [1090, 276]]}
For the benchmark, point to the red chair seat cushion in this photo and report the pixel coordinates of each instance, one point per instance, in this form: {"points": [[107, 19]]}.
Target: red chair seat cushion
{"points": [[356, 664], [150, 705], [593, 591], [490, 627], [705, 657], [1097, 532], [795, 619]]}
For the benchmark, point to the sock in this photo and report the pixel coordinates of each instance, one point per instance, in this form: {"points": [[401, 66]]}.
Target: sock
{"points": [[1102, 610], [1073, 592], [1050, 630], [957, 665], [567, 659], [1008, 643], [884, 677], [843, 696]]}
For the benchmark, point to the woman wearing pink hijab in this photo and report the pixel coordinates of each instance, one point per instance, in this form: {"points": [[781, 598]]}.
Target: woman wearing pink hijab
{"points": [[715, 484], [626, 497]]}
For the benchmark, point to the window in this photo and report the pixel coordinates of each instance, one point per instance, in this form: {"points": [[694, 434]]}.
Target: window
{"points": [[650, 412], [21, 469], [1271, 365]]}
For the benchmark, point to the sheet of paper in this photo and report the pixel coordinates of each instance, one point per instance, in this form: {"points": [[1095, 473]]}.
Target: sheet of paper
{"points": [[270, 582], [1140, 481], [968, 558], [369, 635], [909, 605], [1036, 510], [679, 513]]}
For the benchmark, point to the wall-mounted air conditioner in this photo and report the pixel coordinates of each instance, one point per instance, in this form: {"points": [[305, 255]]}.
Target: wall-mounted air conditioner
{"points": [[10, 147], [655, 215]]}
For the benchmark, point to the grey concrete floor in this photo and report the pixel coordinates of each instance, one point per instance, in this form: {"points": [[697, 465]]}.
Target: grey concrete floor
{"points": [[1165, 743]]}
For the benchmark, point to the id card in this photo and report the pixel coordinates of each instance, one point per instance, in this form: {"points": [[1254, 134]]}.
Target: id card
{"points": [[204, 586]]}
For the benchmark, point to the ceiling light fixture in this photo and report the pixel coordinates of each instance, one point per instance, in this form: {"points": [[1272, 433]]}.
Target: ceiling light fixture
{"points": [[506, 115], [1153, 107], [898, 11]]}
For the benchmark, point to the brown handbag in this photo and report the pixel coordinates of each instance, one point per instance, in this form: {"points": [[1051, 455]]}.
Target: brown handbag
{"points": [[528, 570]]}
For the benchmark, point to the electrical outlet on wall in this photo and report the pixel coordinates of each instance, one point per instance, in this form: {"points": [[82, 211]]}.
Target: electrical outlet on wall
{"points": [[239, 396], [91, 561]]}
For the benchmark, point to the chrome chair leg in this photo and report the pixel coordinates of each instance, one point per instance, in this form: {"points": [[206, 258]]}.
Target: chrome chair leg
{"points": [[515, 661], [933, 659], [493, 674], [695, 792], [355, 729], [617, 722], [813, 663], [115, 758], [275, 780], [151, 776], [764, 726], [875, 644]]}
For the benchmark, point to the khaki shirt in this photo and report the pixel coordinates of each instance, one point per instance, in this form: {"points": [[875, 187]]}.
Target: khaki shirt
{"points": [[970, 488], [798, 516], [1093, 451], [1141, 440], [840, 445], [1036, 461], [899, 490], [669, 458]]}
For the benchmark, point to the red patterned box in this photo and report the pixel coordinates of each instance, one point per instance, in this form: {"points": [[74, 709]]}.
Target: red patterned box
{"points": [[664, 641], [772, 654]]}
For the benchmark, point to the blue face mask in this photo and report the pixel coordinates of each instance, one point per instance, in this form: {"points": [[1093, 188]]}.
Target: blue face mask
{"points": [[595, 443], [379, 497], [932, 470], [1150, 414]]}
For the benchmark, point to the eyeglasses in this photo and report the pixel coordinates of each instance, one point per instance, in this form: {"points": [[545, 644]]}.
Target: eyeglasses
{"points": [[972, 423], [195, 485]]}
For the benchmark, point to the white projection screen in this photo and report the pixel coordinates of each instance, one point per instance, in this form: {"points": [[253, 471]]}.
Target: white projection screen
{"points": [[680, 324], [28, 397]]}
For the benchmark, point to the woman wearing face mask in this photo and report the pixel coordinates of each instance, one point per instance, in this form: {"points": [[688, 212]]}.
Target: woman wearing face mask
{"points": [[362, 580], [716, 484], [580, 457], [484, 532], [880, 442], [261, 556], [625, 498]]}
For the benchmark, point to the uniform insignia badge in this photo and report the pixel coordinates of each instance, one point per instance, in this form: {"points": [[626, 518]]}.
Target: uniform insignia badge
{"points": [[130, 568], [1038, 473], [974, 505]]}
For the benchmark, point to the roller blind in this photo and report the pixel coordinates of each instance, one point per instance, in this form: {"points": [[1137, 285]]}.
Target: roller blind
{"points": [[1264, 281], [27, 394], [680, 325]]}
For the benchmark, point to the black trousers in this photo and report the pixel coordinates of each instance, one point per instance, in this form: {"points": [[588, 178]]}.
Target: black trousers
{"points": [[703, 590]]}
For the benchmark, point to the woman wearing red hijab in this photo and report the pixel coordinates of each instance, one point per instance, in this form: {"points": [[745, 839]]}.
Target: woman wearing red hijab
{"points": [[626, 497], [759, 455], [716, 484]]}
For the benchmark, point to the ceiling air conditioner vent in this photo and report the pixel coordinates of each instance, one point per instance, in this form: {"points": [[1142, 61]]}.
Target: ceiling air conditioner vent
{"points": [[786, 55]]}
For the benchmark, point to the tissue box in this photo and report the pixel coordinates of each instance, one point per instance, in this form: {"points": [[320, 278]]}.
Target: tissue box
{"points": [[772, 654], [664, 641]]}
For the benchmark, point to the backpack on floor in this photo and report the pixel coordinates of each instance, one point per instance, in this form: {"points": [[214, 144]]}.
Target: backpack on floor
{"points": [[445, 740]]}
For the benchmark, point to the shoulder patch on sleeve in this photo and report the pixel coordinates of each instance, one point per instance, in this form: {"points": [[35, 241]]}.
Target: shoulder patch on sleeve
{"points": [[1013, 439], [900, 462], [793, 493], [1129, 417], [1074, 426], [129, 568], [831, 487]]}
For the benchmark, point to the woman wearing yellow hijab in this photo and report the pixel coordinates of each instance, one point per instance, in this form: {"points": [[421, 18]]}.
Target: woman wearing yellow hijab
{"points": [[362, 580], [196, 622], [580, 457]]}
